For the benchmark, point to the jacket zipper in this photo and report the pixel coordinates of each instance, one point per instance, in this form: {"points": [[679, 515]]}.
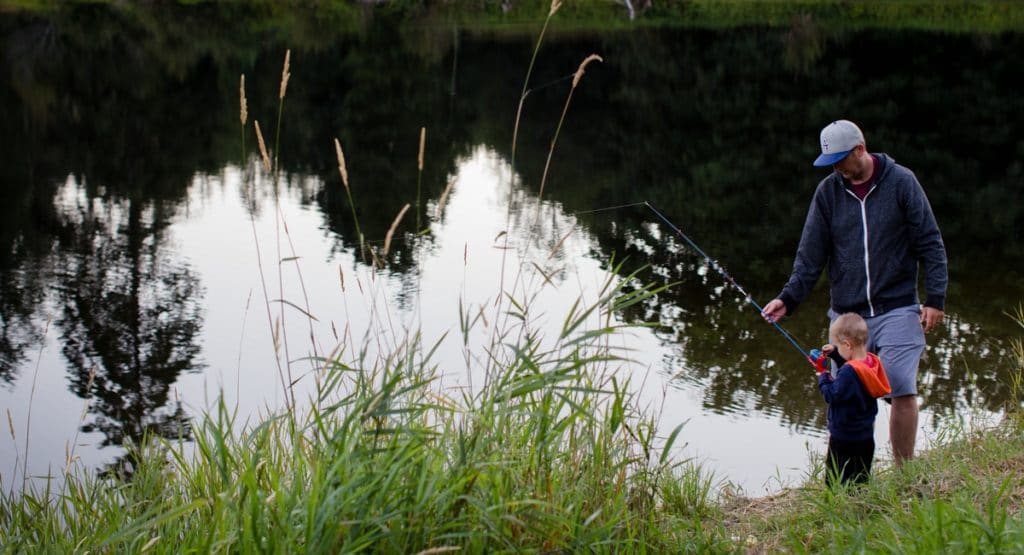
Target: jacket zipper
{"points": [[867, 255]]}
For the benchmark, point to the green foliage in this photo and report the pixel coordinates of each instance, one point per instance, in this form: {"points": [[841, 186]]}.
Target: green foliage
{"points": [[387, 462], [522, 16], [962, 496]]}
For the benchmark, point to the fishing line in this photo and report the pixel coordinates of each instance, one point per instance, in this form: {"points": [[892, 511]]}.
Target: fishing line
{"points": [[549, 84], [609, 208], [711, 262], [721, 271]]}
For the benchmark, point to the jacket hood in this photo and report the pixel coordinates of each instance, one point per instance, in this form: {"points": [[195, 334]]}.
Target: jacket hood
{"points": [[872, 375]]}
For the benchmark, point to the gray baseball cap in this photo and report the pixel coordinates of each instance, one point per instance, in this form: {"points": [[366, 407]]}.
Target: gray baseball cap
{"points": [[837, 140]]}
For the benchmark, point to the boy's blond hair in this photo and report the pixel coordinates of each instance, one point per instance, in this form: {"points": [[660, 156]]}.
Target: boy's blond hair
{"points": [[852, 328]]}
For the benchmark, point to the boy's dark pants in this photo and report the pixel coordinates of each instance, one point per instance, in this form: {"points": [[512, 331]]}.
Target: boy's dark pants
{"points": [[849, 460]]}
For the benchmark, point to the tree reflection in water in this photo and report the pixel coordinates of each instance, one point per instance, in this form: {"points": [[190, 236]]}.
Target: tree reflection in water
{"points": [[132, 314]]}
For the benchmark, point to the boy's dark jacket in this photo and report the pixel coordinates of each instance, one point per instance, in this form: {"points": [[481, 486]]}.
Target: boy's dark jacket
{"points": [[895, 220], [851, 407]]}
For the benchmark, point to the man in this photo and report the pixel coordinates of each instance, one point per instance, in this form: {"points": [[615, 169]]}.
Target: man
{"points": [[871, 224]]}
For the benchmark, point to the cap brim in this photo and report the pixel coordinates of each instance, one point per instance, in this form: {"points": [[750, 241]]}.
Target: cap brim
{"points": [[829, 159]]}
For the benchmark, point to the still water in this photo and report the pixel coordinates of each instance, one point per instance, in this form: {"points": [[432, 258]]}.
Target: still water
{"points": [[141, 240]]}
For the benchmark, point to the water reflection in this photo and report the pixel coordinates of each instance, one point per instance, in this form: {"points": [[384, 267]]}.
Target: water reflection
{"points": [[129, 317], [715, 128]]}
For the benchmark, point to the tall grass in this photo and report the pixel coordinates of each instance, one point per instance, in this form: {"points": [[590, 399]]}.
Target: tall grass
{"points": [[555, 6], [1016, 404], [550, 455], [964, 496], [501, 313]]}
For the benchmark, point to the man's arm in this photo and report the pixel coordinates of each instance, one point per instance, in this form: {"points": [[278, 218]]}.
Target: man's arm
{"points": [[930, 252], [811, 256]]}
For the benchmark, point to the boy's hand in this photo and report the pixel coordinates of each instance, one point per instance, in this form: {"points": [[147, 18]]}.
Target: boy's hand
{"points": [[827, 349], [819, 360]]}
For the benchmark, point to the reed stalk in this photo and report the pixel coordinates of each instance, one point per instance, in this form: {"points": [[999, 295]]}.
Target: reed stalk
{"points": [[391, 230], [28, 413], [282, 89], [69, 457], [551, 151], [343, 170], [552, 10], [443, 199], [577, 76], [263, 148], [285, 383], [280, 224]]}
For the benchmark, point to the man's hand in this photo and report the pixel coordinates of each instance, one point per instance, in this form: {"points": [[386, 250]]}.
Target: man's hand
{"points": [[931, 317], [774, 311]]}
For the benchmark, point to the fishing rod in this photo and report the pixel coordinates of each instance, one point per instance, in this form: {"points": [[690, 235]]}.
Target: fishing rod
{"points": [[814, 356]]}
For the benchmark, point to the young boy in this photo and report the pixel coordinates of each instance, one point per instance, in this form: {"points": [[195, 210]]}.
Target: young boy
{"points": [[852, 399]]}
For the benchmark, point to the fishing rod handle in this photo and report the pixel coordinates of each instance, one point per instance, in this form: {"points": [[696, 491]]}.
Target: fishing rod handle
{"points": [[819, 361]]}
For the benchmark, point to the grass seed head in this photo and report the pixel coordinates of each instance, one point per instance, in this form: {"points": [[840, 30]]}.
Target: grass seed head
{"points": [[285, 74], [555, 4], [263, 146], [342, 168], [243, 112], [583, 66], [391, 231], [423, 140], [443, 199]]}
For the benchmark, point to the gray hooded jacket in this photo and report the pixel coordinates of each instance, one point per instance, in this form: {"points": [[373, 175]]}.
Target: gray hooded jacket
{"points": [[872, 247]]}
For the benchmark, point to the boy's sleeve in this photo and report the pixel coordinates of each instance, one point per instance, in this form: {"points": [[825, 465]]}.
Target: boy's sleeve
{"points": [[839, 389], [837, 358]]}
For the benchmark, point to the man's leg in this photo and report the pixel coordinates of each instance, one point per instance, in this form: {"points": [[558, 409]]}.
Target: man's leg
{"points": [[903, 428], [898, 339]]}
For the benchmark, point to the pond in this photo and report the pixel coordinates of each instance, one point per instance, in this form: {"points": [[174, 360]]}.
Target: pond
{"points": [[150, 264]]}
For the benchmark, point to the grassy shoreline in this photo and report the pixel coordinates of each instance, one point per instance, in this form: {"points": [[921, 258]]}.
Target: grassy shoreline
{"points": [[963, 495], [552, 455]]}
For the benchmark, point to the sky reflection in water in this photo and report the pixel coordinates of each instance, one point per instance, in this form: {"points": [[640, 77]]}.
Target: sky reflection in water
{"points": [[213, 237]]}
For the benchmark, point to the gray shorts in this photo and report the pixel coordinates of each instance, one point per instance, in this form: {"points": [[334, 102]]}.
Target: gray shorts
{"points": [[897, 337]]}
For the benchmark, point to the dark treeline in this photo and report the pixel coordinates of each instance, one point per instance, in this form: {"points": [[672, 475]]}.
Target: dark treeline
{"points": [[714, 127]]}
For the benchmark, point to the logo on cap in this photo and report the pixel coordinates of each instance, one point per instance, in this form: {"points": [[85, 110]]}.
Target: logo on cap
{"points": [[838, 139]]}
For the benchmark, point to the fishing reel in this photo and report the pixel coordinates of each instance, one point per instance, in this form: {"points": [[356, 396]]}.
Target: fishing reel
{"points": [[819, 361]]}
